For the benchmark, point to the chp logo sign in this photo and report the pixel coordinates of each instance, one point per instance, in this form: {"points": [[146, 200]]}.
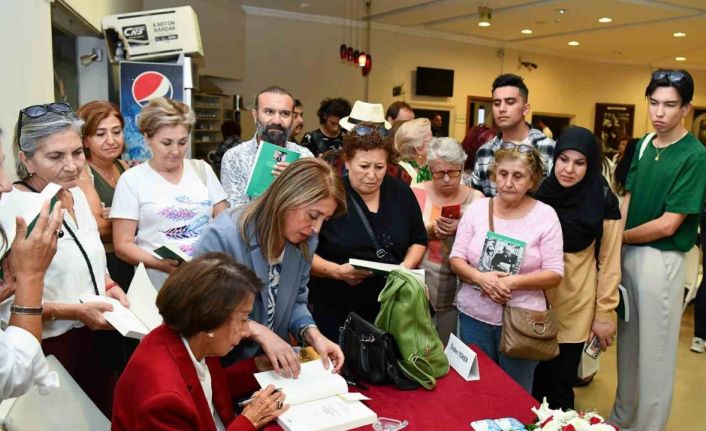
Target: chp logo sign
{"points": [[136, 34], [149, 85]]}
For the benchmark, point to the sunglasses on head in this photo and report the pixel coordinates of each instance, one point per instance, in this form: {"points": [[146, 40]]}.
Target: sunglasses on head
{"points": [[520, 148], [366, 130], [673, 76], [36, 111]]}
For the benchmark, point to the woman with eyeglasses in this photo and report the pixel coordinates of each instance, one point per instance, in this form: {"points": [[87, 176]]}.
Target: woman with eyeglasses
{"points": [[383, 224], [586, 299], [412, 141], [527, 259], [275, 236], [443, 200], [48, 149]]}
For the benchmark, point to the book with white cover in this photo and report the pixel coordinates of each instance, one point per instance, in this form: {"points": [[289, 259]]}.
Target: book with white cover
{"points": [[318, 400], [379, 268], [26, 205], [142, 316]]}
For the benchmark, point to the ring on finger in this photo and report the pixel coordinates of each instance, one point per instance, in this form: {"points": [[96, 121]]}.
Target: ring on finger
{"points": [[279, 405]]}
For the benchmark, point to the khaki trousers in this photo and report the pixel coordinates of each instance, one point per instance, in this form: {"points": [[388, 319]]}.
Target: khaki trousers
{"points": [[647, 344]]}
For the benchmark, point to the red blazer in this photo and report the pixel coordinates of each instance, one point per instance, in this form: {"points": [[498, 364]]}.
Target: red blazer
{"points": [[159, 389]]}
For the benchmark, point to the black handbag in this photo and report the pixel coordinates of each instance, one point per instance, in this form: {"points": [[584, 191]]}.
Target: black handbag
{"points": [[371, 354]]}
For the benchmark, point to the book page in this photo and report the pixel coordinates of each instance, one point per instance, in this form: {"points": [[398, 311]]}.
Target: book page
{"points": [[314, 383], [143, 298], [379, 267], [330, 414], [122, 319]]}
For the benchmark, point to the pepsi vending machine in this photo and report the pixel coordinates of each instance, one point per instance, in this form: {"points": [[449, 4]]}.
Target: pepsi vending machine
{"points": [[142, 81]]}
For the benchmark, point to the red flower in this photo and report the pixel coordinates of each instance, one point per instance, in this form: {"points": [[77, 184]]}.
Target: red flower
{"points": [[546, 421], [595, 420], [568, 427]]}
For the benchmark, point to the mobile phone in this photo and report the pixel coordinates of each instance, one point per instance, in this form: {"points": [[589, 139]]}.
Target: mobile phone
{"points": [[593, 348], [451, 211]]}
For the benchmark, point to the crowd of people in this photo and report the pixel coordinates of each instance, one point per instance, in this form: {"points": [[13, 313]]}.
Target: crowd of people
{"points": [[508, 218]]}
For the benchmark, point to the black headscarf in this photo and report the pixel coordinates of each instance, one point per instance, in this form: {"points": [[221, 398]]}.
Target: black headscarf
{"points": [[582, 207]]}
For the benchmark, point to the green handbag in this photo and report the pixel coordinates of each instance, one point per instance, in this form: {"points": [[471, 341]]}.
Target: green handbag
{"points": [[404, 312]]}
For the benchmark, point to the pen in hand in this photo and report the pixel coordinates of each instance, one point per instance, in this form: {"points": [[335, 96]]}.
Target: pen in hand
{"points": [[251, 399]]}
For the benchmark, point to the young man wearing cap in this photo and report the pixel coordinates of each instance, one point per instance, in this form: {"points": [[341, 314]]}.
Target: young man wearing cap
{"points": [[329, 135], [509, 109], [273, 120], [665, 192]]}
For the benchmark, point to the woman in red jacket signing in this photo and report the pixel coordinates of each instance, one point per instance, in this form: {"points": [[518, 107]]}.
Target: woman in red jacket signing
{"points": [[174, 380]]}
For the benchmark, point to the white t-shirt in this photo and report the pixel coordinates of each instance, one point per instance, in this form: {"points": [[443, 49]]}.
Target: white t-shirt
{"points": [[166, 212]]}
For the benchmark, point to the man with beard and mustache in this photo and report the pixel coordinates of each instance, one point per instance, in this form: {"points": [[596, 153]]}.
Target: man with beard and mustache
{"points": [[273, 120]]}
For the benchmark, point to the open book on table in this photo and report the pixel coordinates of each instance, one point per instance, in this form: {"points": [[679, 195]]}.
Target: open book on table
{"points": [[318, 400], [142, 316], [268, 155], [379, 268], [171, 251]]}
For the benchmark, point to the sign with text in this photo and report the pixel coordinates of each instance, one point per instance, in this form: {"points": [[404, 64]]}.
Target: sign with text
{"points": [[462, 359]]}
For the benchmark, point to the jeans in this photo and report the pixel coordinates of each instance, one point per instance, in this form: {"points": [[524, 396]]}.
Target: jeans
{"points": [[487, 337]]}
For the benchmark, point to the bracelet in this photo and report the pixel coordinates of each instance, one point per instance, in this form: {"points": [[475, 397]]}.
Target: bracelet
{"points": [[52, 317], [302, 332], [626, 240], [29, 311], [111, 285]]}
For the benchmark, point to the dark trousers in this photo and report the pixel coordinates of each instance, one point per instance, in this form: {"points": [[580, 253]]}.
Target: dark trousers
{"points": [[555, 378], [700, 300]]}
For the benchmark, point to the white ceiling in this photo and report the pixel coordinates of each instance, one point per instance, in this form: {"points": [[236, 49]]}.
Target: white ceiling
{"points": [[641, 31]]}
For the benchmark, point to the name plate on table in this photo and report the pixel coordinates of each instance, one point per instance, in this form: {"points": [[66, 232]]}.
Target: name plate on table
{"points": [[462, 359]]}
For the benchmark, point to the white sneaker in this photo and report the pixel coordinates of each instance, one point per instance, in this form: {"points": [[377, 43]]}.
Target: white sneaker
{"points": [[698, 345]]}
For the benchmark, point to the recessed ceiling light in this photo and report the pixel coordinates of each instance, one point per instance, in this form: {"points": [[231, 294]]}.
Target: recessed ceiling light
{"points": [[605, 20], [573, 43], [562, 11], [483, 24], [526, 31], [680, 58], [679, 34]]}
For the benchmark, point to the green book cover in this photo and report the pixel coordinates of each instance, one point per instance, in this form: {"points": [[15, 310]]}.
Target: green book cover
{"points": [[268, 155], [501, 253]]}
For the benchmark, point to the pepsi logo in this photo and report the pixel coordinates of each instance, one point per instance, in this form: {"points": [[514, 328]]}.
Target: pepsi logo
{"points": [[150, 85]]}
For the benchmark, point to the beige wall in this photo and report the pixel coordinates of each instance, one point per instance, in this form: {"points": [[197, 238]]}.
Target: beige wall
{"points": [[302, 56]]}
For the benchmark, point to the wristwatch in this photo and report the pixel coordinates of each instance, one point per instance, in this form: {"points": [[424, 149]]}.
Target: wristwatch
{"points": [[302, 332]]}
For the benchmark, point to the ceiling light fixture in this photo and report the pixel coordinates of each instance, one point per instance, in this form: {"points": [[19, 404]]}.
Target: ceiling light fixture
{"points": [[680, 59], [574, 43], [605, 20], [526, 31], [679, 34], [485, 14], [562, 11]]}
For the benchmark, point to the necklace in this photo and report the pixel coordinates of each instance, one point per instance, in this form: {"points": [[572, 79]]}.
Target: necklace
{"points": [[111, 178], [658, 152], [657, 149]]}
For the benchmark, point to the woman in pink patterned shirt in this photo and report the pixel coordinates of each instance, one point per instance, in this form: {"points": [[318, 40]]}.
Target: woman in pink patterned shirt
{"points": [[532, 256]]}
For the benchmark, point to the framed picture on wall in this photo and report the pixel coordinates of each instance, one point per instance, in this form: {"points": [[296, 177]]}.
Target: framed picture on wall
{"points": [[613, 120], [440, 119], [698, 124]]}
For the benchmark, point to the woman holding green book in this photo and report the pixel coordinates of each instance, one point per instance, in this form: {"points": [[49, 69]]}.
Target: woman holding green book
{"points": [[526, 242]]}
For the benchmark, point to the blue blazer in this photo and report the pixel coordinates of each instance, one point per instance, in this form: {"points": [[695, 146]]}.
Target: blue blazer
{"points": [[291, 307]]}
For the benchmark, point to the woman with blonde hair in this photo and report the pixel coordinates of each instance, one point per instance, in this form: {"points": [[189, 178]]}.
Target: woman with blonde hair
{"points": [[412, 141], [275, 236], [167, 200], [528, 255]]}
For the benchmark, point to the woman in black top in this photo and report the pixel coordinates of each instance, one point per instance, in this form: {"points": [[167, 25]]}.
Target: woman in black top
{"points": [[397, 233]]}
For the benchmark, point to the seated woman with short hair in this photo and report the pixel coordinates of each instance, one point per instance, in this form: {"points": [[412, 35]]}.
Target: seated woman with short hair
{"points": [[175, 380]]}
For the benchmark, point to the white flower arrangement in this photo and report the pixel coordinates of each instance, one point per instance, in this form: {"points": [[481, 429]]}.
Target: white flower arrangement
{"points": [[559, 420]]}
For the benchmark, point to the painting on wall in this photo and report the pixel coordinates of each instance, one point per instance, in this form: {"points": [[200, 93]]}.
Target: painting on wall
{"points": [[613, 120], [698, 124]]}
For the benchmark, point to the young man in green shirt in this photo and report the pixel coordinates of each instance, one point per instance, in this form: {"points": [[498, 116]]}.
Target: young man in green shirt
{"points": [[665, 185]]}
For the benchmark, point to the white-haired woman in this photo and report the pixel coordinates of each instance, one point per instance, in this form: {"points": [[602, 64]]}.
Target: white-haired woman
{"points": [[412, 141], [48, 149], [443, 200], [168, 200]]}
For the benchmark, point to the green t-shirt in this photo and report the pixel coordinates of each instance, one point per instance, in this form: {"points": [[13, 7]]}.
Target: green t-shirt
{"points": [[674, 183]]}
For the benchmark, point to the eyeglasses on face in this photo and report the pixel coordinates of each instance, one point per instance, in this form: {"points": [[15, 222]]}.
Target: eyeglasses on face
{"points": [[673, 76], [366, 130], [36, 111], [452, 173], [520, 148]]}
